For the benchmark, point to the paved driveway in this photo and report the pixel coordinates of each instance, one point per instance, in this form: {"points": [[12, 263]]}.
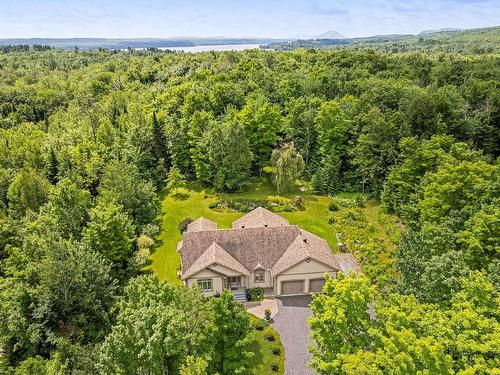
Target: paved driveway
{"points": [[291, 324]]}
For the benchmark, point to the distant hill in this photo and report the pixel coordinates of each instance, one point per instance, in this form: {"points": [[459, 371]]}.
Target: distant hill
{"points": [[484, 40], [446, 30], [331, 34], [95, 43]]}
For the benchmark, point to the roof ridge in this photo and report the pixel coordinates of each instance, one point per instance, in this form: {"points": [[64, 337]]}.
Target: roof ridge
{"points": [[306, 244], [247, 229]]}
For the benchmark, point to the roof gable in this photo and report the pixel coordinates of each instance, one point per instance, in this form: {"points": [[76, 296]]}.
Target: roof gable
{"points": [[201, 224], [214, 254], [305, 246], [259, 218]]}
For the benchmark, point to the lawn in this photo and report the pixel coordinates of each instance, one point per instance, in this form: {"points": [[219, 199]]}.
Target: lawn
{"points": [[263, 357], [194, 201]]}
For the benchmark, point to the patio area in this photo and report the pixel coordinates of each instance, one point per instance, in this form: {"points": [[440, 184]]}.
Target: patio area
{"points": [[258, 308]]}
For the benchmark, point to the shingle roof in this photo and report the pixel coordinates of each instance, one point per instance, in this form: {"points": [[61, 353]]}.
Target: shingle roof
{"points": [[214, 254], [305, 246], [201, 224], [260, 217]]}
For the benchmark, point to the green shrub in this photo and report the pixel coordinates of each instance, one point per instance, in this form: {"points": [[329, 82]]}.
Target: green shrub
{"points": [[360, 200], [333, 206], [269, 335], [275, 367], [260, 325], [344, 202], [274, 203], [255, 294], [276, 350], [183, 224], [350, 200]]}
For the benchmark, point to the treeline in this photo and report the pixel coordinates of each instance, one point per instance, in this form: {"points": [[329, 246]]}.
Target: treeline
{"points": [[24, 48], [87, 139]]}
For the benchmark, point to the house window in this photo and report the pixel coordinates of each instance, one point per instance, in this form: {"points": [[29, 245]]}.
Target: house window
{"points": [[205, 285], [258, 276]]}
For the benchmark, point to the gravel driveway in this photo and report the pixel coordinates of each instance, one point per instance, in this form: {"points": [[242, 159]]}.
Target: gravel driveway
{"points": [[291, 324]]}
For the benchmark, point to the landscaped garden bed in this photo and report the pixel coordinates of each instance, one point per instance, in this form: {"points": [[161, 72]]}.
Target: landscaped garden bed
{"points": [[272, 203], [269, 356]]}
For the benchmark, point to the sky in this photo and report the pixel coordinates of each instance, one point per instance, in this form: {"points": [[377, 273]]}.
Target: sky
{"points": [[237, 18]]}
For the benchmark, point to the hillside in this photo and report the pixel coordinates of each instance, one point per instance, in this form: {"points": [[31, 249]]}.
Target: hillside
{"points": [[485, 40]]}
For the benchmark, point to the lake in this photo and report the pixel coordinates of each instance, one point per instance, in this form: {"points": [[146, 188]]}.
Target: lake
{"points": [[216, 47]]}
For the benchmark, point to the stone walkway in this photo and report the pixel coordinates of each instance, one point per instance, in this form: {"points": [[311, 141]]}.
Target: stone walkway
{"points": [[259, 310]]}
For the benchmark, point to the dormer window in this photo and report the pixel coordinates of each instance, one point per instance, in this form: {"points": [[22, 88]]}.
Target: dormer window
{"points": [[259, 276]]}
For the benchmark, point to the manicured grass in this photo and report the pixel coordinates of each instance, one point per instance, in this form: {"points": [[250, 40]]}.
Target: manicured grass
{"points": [[262, 348]]}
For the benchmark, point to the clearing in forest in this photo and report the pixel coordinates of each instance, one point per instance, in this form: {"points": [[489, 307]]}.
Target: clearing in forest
{"points": [[194, 201]]}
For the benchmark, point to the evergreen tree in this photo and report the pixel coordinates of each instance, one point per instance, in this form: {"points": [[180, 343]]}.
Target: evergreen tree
{"points": [[110, 232], [331, 124], [175, 180], [230, 156], [52, 170], [160, 149]]}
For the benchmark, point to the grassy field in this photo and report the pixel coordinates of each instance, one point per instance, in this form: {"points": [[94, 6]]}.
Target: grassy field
{"points": [[194, 201], [263, 357]]}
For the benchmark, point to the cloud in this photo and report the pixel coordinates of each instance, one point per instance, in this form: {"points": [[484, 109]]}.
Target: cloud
{"points": [[319, 9]]}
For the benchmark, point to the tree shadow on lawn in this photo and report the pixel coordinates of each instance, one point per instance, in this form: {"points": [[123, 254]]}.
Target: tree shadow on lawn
{"points": [[256, 349], [180, 196], [196, 186]]}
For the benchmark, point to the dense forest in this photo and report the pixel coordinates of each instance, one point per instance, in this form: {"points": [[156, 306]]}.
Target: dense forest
{"points": [[89, 138]]}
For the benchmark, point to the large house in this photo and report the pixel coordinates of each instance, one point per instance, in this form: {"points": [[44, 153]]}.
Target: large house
{"points": [[261, 250]]}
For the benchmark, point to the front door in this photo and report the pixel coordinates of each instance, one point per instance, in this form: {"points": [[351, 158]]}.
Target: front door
{"points": [[234, 282]]}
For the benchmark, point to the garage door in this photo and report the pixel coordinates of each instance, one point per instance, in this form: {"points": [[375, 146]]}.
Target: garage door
{"points": [[316, 285], [292, 287]]}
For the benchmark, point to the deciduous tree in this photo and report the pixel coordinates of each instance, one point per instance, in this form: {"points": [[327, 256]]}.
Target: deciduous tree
{"points": [[288, 165]]}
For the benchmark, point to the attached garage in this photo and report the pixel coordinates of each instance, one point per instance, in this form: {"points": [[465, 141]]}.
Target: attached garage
{"points": [[316, 285], [292, 287]]}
